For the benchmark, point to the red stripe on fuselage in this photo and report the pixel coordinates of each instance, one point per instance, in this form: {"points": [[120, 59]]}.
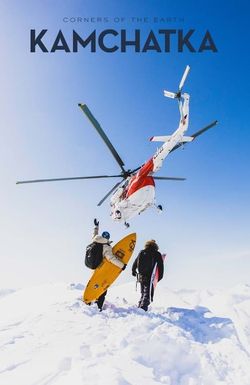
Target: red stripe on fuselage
{"points": [[138, 182], [141, 179], [146, 168]]}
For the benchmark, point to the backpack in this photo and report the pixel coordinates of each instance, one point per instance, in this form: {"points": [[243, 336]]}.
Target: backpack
{"points": [[93, 256]]}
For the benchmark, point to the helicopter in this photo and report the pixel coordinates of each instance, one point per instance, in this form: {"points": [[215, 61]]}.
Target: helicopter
{"points": [[135, 191]]}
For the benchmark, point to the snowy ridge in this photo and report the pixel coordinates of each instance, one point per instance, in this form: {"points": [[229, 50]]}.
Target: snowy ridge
{"points": [[49, 337], [5, 292]]}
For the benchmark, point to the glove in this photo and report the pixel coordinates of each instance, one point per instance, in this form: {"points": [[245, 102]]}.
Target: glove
{"points": [[96, 222], [124, 266], [134, 273]]}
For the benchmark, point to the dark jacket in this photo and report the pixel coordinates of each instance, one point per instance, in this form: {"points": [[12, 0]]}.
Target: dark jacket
{"points": [[145, 262]]}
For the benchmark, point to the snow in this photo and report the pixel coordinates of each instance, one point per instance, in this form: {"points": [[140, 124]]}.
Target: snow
{"points": [[48, 336], [4, 292]]}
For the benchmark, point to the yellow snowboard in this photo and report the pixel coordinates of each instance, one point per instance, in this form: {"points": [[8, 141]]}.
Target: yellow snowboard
{"points": [[106, 273]]}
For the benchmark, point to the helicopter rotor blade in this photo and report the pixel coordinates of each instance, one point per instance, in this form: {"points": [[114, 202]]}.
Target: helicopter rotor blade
{"points": [[198, 133], [100, 131], [70, 178], [109, 193], [204, 129], [168, 178], [183, 79], [136, 169]]}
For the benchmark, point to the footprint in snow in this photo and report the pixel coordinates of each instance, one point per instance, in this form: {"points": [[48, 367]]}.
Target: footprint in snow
{"points": [[201, 324]]}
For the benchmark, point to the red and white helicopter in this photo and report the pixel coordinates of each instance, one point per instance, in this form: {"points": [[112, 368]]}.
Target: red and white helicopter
{"points": [[136, 191]]}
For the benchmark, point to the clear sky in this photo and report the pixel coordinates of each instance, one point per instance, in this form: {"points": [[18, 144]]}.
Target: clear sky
{"points": [[204, 228]]}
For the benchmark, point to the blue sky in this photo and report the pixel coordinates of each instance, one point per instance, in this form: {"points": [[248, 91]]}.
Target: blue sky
{"points": [[45, 227]]}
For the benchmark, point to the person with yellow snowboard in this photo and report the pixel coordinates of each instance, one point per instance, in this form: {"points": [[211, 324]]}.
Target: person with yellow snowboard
{"points": [[100, 248]]}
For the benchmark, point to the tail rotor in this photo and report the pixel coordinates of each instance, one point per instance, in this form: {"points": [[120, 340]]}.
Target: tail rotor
{"points": [[177, 95]]}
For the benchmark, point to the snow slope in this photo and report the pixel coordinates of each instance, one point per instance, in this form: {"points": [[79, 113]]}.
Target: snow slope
{"points": [[49, 337], [5, 292]]}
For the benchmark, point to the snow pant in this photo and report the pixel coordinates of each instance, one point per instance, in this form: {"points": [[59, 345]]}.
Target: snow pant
{"points": [[145, 293], [101, 300], [152, 293]]}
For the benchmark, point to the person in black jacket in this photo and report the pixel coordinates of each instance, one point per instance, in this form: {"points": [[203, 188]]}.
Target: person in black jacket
{"points": [[143, 267]]}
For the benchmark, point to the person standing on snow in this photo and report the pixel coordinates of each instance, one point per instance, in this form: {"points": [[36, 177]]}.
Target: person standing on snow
{"points": [[106, 250], [143, 267]]}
